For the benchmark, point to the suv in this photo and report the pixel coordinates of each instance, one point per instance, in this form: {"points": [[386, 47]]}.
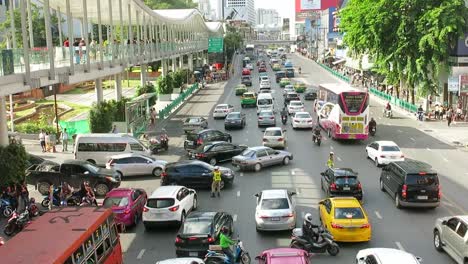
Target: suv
{"points": [[411, 184], [195, 139], [292, 96], [341, 182], [279, 75]]}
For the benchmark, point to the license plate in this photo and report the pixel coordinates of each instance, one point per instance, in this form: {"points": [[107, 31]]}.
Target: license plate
{"points": [[193, 254], [352, 136], [346, 188], [274, 218], [422, 197], [190, 143]]}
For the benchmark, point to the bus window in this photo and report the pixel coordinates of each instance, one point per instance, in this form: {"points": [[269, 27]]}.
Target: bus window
{"points": [[88, 245], [97, 235], [78, 255], [69, 261]]}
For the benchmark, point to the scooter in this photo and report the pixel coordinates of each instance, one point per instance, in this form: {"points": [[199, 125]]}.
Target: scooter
{"points": [[372, 131], [324, 243], [317, 139], [55, 196], [284, 119], [387, 113], [161, 143], [5, 208], [420, 116], [240, 256], [16, 223]]}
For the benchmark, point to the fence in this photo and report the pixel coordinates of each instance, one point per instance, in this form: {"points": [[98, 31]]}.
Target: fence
{"points": [[75, 127], [164, 113], [395, 101], [335, 73]]}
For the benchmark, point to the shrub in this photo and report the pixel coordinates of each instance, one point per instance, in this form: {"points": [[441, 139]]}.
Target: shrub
{"points": [[179, 78], [12, 164], [103, 114], [34, 128], [148, 88], [165, 84]]}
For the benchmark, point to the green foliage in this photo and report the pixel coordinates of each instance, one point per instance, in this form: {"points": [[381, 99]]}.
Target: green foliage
{"points": [[232, 41], [148, 88], [12, 164], [165, 84], [409, 40], [170, 4], [178, 78], [34, 128], [104, 113]]}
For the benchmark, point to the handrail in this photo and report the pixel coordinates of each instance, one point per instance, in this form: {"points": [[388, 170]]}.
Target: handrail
{"points": [[166, 111]]}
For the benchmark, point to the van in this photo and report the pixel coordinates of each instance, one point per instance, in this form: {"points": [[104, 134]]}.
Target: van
{"points": [[99, 148], [264, 102]]}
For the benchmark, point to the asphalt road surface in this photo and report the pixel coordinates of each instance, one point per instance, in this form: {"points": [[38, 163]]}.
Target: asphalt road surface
{"points": [[408, 229]]}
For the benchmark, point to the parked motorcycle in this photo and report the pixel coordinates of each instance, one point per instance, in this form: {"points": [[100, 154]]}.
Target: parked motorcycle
{"points": [[317, 139], [56, 198], [5, 208], [387, 113], [32, 207], [156, 141], [324, 242], [16, 223], [218, 257]]}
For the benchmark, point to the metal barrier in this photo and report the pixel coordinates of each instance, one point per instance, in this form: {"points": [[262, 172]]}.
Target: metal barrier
{"points": [[335, 73], [395, 101], [166, 111]]}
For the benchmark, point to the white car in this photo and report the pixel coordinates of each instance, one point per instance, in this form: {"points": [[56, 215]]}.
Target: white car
{"points": [[386, 256], [249, 66], [274, 137], [288, 90], [275, 210], [181, 261], [222, 110], [301, 120], [451, 236], [169, 204], [264, 78], [295, 106], [133, 164], [384, 152], [265, 85]]}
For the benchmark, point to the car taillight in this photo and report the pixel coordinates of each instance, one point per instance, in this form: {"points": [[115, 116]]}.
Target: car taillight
{"points": [[403, 191], [199, 141], [210, 240], [359, 186], [174, 208], [367, 225], [178, 240], [163, 174], [145, 209], [382, 156], [127, 211], [310, 121], [333, 186], [200, 155], [264, 216], [289, 215], [272, 117], [337, 226], [439, 192], [280, 139], [260, 118]]}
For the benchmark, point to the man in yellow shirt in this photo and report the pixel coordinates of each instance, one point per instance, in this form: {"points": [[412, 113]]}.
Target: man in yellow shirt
{"points": [[216, 184], [331, 161]]}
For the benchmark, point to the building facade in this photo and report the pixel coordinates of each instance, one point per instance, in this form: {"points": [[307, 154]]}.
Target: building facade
{"points": [[267, 16], [204, 7], [240, 10]]}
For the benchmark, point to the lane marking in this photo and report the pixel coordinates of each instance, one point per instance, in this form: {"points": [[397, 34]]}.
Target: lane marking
{"points": [[413, 139], [234, 217], [140, 255], [238, 193], [429, 149], [338, 158], [400, 247], [241, 174], [331, 147], [378, 215], [400, 131]]}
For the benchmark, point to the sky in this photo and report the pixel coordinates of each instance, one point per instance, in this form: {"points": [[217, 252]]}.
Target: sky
{"points": [[285, 8]]}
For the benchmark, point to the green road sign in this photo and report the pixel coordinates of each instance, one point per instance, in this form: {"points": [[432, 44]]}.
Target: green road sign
{"points": [[215, 45]]}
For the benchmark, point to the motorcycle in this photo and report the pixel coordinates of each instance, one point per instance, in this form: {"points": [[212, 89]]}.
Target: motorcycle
{"points": [[387, 113], [32, 207], [5, 208], [284, 119], [420, 115], [156, 142], [317, 139], [214, 256], [372, 130], [74, 200], [88, 201], [16, 223], [324, 242]]}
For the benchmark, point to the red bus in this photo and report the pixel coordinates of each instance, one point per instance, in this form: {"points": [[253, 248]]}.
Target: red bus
{"points": [[68, 235]]}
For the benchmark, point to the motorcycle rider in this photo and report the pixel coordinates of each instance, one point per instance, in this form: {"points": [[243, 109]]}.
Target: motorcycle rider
{"points": [[226, 242], [388, 108], [90, 196], [308, 229], [65, 192], [420, 113], [284, 115], [372, 124], [316, 132]]}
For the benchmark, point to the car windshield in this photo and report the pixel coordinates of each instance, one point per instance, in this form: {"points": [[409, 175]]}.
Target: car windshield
{"points": [[303, 115], [291, 95], [273, 133], [345, 180], [233, 116], [221, 106], [160, 202], [248, 153], [265, 113], [245, 78], [115, 201], [197, 226], [274, 204], [192, 120], [264, 102], [92, 168], [296, 103], [426, 179], [390, 148], [349, 213], [248, 95]]}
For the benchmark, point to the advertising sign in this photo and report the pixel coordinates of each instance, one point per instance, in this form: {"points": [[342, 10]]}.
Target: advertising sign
{"points": [[309, 8], [311, 4], [285, 24], [453, 84], [463, 85]]}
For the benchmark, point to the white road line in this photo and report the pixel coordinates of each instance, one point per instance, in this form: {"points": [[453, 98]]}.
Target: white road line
{"points": [[413, 139], [234, 217], [241, 174], [429, 149], [399, 131], [293, 172], [400, 247], [378, 215], [238, 193], [338, 158], [140, 255], [331, 147]]}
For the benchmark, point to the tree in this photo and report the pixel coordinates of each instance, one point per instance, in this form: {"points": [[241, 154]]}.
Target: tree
{"points": [[409, 40], [148, 88], [232, 41], [12, 164], [170, 4], [104, 113]]}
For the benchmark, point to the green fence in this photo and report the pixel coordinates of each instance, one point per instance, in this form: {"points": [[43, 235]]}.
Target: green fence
{"points": [[75, 127], [335, 73], [393, 100], [164, 113]]}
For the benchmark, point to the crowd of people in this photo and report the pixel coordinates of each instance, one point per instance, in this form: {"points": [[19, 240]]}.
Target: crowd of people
{"points": [[17, 195]]}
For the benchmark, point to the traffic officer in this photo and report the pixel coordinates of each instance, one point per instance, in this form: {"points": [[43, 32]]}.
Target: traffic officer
{"points": [[216, 184], [331, 161]]}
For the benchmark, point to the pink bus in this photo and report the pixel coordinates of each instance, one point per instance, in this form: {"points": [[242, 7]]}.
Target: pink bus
{"points": [[344, 113]]}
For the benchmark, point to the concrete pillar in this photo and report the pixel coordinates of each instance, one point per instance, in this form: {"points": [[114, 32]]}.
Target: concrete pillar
{"points": [[181, 61], [190, 62], [98, 89], [205, 58], [143, 74], [3, 123], [174, 64], [164, 67], [118, 87]]}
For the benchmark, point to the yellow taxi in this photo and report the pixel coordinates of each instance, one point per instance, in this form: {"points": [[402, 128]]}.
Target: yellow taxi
{"points": [[345, 219]]}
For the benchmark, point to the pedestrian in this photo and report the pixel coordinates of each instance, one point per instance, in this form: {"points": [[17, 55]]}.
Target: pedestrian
{"points": [[47, 141], [216, 183], [64, 140], [449, 116], [331, 160], [153, 115], [66, 43], [42, 140], [24, 193], [437, 111], [114, 129]]}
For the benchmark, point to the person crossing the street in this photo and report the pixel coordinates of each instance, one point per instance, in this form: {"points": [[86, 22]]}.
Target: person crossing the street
{"points": [[216, 184], [331, 160]]}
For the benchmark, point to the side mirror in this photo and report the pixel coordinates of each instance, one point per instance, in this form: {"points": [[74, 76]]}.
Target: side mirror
{"points": [[277, 152], [322, 173], [292, 193], [256, 195], [444, 222], [148, 162]]}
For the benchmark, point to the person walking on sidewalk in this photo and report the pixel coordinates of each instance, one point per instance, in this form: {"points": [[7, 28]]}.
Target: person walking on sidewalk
{"points": [[449, 116], [64, 140], [42, 140], [216, 184]]}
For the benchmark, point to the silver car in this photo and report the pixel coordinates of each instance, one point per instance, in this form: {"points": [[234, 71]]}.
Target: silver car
{"points": [[132, 164], [195, 123], [451, 236], [275, 210], [266, 118], [257, 158]]}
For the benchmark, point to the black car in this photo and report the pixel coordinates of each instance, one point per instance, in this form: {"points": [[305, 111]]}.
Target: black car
{"points": [[411, 183], [246, 80], [341, 182], [279, 75], [197, 138], [290, 72], [33, 160], [234, 120], [215, 152], [194, 173], [310, 94], [199, 231], [293, 96]]}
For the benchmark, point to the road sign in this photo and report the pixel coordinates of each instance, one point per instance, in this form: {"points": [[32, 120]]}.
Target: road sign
{"points": [[215, 45]]}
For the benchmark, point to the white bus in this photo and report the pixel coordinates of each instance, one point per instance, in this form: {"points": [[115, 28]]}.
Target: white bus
{"points": [[98, 148]]}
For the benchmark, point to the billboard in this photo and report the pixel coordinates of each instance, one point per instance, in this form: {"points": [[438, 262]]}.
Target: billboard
{"points": [[285, 24], [310, 8], [311, 4]]}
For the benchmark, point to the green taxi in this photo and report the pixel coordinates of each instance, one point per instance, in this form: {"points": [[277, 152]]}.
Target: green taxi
{"points": [[241, 89], [299, 87], [284, 82], [248, 99], [276, 67]]}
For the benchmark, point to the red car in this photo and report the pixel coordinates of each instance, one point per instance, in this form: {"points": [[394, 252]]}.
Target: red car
{"points": [[127, 204], [245, 71], [283, 256]]}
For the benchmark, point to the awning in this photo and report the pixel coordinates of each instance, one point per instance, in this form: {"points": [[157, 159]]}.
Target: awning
{"points": [[339, 61]]}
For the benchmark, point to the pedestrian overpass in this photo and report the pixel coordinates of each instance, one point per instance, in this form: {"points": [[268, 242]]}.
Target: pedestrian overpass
{"points": [[136, 34], [272, 42]]}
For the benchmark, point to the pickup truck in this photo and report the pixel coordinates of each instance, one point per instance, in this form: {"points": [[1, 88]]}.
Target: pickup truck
{"points": [[74, 172]]}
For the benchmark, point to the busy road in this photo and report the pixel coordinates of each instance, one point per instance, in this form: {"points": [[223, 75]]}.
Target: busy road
{"points": [[407, 229]]}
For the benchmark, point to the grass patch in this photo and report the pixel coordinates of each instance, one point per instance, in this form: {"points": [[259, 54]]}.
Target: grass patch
{"points": [[77, 108], [79, 91], [24, 112]]}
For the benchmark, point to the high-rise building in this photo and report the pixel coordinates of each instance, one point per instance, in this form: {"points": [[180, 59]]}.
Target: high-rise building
{"points": [[204, 7], [267, 17], [242, 10]]}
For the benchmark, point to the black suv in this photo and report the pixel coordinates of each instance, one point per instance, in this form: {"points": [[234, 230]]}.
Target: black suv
{"points": [[279, 75], [341, 182], [197, 138], [411, 184], [194, 173]]}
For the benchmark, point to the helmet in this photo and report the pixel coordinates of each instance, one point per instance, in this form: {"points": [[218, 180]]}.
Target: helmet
{"points": [[372, 119], [308, 217], [331, 153], [225, 229], [216, 168]]}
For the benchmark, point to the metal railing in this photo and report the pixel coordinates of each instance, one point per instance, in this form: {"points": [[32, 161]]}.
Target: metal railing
{"points": [[166, 111], [335, 73]]}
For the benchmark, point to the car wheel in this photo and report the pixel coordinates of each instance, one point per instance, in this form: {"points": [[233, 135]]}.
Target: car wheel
{"points": [[437, 241], [195, 203], [376, 161], [43, 187], [397, 201], [382, 187], [157, 172], [91, 161], [258, 167], [101, 189], [286, 161], [120, 174], [213, 161]]}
